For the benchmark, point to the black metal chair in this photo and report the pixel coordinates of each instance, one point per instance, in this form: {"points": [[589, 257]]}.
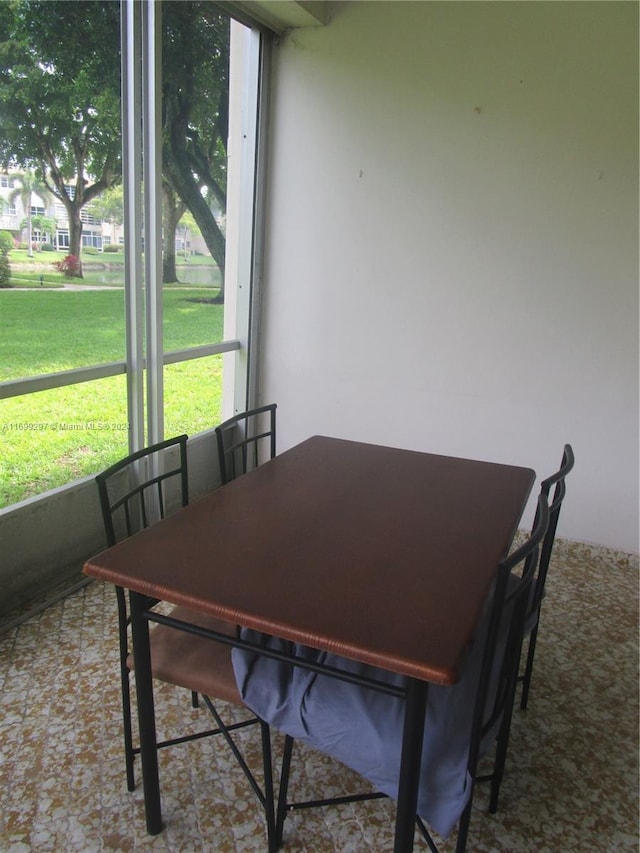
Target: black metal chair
{"points": [[246, 440], [533, 614], [496, 684], [136, 492]]}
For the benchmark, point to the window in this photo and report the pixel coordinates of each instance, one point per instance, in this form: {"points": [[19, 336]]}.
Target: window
{"points": [[62, 238], [89, 219], [113, 368], [93, 240]]}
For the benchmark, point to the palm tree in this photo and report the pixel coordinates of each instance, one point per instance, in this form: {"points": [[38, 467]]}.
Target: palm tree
{"points": [[30, 183]]}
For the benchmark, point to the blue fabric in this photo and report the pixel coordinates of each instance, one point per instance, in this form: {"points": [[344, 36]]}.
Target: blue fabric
{"points": [[362, 727]]}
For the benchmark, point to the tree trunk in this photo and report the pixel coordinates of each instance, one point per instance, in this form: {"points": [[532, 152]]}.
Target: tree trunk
{"points": [[29, 232], [184, 183], [171, 214], [75, 236], [73, 208]]}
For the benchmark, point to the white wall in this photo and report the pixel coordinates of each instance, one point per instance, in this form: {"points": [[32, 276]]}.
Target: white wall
{"points": [[452, 246]]}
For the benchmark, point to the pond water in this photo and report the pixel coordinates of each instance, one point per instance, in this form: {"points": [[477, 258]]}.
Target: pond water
{"points": [[197, 275]]}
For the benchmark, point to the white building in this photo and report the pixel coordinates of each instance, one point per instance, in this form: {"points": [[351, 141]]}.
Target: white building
{"points": [[96, 232], [13, 218]]}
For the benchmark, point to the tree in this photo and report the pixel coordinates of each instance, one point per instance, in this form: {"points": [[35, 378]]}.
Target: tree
{"points": [[45, 225], [172, 210], [60, 104], [109, 207], [195, 111], [28, 184], [60, 98]]}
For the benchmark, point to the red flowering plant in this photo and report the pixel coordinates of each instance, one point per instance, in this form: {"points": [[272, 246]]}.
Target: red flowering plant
{"points": [[69, 266]]}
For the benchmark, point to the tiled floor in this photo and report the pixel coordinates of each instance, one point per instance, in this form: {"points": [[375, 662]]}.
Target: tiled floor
{"points": [[572, 775]]}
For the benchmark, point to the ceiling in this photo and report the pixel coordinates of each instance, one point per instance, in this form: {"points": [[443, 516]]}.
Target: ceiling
{"points": [[279, 15]]}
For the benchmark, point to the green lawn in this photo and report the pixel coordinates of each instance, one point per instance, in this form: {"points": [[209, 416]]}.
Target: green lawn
{"points": [[52, 437]]}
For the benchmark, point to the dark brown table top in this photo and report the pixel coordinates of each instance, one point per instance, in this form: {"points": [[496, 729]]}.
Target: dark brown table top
{"points": [[379, 554]]}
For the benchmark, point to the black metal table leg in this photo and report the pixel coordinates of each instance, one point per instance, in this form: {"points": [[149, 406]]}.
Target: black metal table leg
{"points": [[146, 714], [413, 734]]}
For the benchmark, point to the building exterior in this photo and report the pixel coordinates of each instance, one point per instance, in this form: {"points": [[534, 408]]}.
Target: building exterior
{"points": [[95, 232]]}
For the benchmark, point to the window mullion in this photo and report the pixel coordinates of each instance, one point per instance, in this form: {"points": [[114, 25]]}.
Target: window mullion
{"points": [[152, 172], [131, 27]]}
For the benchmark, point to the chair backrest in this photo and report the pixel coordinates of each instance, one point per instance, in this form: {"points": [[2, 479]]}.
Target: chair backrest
{"points": [[555, 504], [505, 633], [245, 441], [143, 487]]}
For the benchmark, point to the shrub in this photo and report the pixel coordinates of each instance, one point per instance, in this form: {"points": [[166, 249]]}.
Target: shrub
{"points": [[68, 266], [5, 270], [6, 242], [46, 247], [112, 247], [90, 250]]}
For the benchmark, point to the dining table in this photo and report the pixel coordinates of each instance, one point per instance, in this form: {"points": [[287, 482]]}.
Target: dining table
{"points": [[381, 555]]}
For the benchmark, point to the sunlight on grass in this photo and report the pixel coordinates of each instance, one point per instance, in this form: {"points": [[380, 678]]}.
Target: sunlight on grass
{"points": [[193, 395], [53, 437], [52, 330]]}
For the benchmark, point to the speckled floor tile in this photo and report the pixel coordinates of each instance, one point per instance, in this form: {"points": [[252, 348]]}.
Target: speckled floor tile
{"points": [[572, 774]]}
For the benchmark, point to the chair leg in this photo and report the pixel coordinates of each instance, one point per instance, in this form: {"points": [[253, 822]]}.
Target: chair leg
{"points": [[126, 725], [526, 681], [125, 686], [501, 751], [284, 786], [269, 804], [463, 825]]}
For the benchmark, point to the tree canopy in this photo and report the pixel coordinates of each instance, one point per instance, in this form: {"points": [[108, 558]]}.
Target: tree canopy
{"points": [[28, 183], [195, 110], [60, 104], [60, 98]]}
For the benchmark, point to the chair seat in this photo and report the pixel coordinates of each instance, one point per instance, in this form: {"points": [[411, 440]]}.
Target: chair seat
{"points": [[193, 662]]}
